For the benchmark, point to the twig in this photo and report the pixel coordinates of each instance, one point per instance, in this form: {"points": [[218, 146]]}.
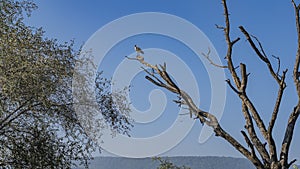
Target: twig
{"points": [[262, 55], [278, 68], [232, 87], [210, 61]]}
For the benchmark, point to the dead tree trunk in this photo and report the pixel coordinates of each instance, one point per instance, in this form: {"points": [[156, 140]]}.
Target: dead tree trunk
{"points": [[262, 152]]}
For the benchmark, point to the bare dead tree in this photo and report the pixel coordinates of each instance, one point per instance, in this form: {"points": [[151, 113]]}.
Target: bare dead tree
{"points": [[261, 151]]}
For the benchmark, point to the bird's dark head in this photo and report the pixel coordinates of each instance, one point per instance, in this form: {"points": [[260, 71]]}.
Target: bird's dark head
{"points": [[135, 46]]}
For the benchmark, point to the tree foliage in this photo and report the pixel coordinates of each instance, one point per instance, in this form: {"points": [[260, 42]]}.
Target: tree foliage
{"points": [[166, 164], [38, 125]]}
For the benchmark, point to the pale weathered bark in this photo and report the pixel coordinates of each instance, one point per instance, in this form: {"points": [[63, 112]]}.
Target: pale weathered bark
{"points": [[261, 151]]}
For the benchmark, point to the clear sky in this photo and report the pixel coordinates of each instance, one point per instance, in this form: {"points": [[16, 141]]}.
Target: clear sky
{"points": [[271, 21]]}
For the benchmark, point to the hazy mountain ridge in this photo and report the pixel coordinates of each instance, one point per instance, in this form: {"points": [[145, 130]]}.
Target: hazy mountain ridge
{"points": [[193, 162]]}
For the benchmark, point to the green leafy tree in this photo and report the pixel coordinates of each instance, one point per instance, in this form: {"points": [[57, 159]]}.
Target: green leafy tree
{"points": [[166, 164], [38, 124]]}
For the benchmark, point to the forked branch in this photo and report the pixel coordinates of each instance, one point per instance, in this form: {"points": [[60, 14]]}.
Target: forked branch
{"points": [[163, 80], [260, 53], [240, 89], [207, 56]]}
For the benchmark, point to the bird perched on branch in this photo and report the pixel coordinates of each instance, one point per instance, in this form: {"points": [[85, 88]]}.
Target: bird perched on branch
{"points": [[138, 49]]}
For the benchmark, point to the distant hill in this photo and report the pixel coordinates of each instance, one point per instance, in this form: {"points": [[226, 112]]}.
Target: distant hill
{"points": [[193, 162]]}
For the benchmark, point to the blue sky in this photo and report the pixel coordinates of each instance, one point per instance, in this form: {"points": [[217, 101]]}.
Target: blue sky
{"points": [[271, 21]]}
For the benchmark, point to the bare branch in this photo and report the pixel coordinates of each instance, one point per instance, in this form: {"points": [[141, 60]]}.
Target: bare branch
{"points": [[297, 61], [249, 143], [278, 102], [236, 79], [179, 102], [295, 114], [260, 46], [268, 155], [292, 162], [239, 147], [155, 82], [278, 67], [152, 75], [272, 144], [232, 87], [241, 87], [255, 115], [236, 67], [249, 124], [229, 46], [267, 134], [183, 114], [227, 23], [244, 78], [260, 147], [288, 136], [219, 27], [168, 79], [204, 117], [236, 40], [262, 55], [210, 61]]}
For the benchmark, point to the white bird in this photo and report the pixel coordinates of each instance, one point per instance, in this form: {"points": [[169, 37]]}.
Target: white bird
{"points": [[138, 50]]}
